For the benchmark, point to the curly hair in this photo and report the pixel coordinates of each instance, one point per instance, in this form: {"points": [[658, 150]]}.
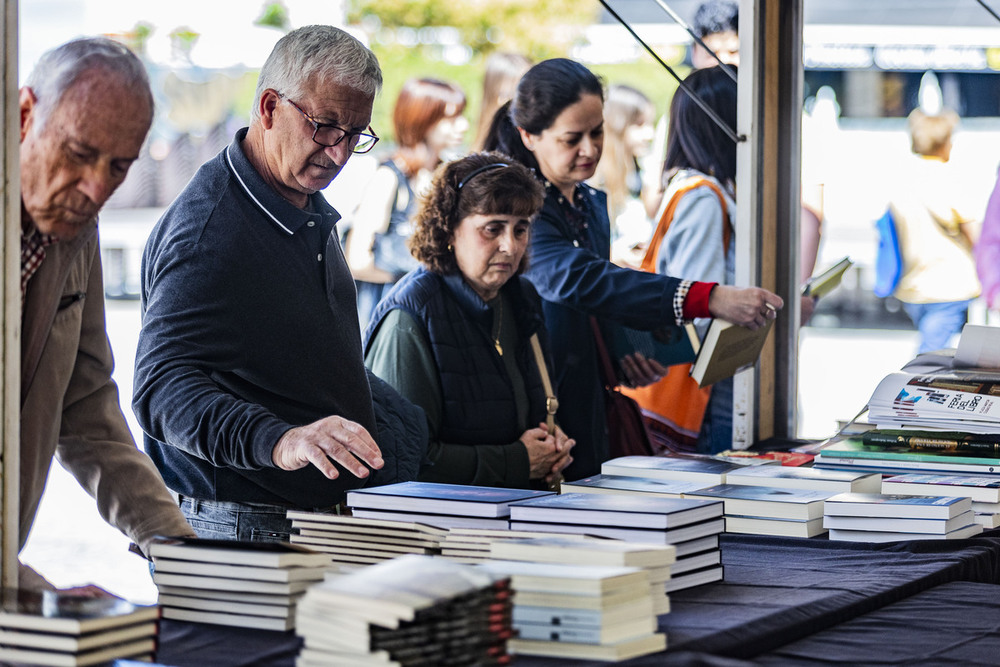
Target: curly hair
{"points": [[479, 184]]}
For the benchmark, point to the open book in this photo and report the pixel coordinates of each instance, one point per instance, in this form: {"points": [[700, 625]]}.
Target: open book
{"points": [[825, 282]]}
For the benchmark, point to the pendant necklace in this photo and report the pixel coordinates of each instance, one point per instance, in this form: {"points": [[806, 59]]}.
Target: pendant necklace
{"points": [[497, 324]]}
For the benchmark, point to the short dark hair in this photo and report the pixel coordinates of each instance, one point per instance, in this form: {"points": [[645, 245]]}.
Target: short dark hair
{"points": [[544, 92], [716, 16], [694, 141], [507, 190]]}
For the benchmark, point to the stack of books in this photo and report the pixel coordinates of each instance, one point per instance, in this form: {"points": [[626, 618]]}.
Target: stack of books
{"points": [[656, 560], [697, 470], [353, 541], [579, 611], [866, 452], [691, 525], [413, 610], [439, 505], [55, 628], [875, 517], [765, 510], [473, 545], [638, 486], [984, 492], [238, 583]]}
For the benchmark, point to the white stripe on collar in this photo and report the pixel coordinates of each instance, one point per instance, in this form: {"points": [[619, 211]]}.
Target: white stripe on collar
{"points": [[232, 167]]}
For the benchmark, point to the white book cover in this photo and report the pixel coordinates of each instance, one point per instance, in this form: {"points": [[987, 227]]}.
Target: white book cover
{"points": [[895, 505], [788, 477], [979, 489]]}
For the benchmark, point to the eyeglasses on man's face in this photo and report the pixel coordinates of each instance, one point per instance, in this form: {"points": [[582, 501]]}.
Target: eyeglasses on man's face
{"points": [[328, 134]]}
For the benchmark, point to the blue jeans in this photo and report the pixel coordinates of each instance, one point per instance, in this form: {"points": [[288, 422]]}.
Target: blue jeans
{"points": [[717, 428], [236, 521], [937, 322]]}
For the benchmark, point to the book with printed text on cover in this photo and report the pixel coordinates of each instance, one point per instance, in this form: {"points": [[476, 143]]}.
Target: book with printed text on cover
{"points": [[616, 510], [726, 349], [433, 498], [767, 502]]}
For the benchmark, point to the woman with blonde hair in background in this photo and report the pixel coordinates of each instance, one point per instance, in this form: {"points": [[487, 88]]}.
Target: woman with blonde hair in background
{"points": [[628, 138], [503, 71], [428, 122]]}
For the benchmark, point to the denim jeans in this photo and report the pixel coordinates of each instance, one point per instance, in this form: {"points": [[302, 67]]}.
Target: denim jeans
{"points": [[937, 322], [236, 521], [717, 428]]}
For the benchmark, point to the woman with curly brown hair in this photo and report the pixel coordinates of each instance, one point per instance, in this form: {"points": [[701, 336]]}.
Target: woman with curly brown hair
{"points": [[454, 336]]}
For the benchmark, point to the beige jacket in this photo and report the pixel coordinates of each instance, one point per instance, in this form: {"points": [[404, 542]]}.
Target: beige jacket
{"points": [[69, 403]]}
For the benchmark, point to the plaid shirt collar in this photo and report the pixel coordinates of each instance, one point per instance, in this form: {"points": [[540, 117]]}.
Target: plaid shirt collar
{"points": [[33, 245]]}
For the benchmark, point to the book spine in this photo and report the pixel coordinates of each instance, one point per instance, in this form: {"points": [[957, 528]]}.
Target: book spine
{"points": [[930, 442]]}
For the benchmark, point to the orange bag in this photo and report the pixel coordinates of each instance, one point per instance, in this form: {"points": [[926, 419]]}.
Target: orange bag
{"points": [[674, 407]]}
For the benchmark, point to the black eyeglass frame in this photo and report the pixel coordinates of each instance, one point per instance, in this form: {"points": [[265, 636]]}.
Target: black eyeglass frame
{"points": [[370, 134]]}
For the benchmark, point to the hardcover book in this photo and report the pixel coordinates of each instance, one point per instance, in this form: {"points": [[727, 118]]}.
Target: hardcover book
{"points": [[767, 502], [675, 536], [63, 613], [237, 552], [726, 349], [555, 549], [633, 485], [893, 505], [888, 536], [668, 345], [614, 510], [894, 525], [463, 500], [979, 489], [778, 527], [836, 481], [699, 470]]}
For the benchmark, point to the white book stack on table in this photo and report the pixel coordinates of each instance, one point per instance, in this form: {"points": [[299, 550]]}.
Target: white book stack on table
{"points": [[878, 517], [984, 492]]}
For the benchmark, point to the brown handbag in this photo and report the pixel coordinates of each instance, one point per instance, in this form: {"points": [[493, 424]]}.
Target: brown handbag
{"points": [[627, 434]]}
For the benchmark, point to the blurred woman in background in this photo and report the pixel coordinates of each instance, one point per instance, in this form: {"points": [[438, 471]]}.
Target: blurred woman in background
{"points": [[503, 71], [428, 122]]}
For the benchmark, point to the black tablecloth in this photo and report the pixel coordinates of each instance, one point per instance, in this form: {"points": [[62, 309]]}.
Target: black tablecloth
{"points": [[776, 591], [951, 624]]}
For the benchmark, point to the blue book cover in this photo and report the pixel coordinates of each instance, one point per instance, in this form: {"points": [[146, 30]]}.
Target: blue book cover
{"points": [[896, 505], [436, 498], [762, 493]]}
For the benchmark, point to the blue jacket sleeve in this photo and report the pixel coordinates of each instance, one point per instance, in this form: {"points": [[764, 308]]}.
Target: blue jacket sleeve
{"points": [[582, 279]]}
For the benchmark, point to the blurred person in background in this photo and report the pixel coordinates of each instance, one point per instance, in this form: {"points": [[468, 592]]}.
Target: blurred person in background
{"points": [[428, 122], [503, 71], [454, 336], [76, 149], [987, 251], [555, 126], [935, 216], [628, 138]]}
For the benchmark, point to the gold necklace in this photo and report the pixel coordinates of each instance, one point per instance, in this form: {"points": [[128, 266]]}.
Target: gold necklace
{"points": [[497, 325]]}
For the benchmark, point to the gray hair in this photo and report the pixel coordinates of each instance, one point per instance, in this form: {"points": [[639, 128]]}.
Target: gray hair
{"points": [[318, 52], [57, 70]]}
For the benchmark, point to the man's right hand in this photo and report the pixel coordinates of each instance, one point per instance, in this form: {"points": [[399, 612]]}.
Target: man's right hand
{"points": [[346, 442]]}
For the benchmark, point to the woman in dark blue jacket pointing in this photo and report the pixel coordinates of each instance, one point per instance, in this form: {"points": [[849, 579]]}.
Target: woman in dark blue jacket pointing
{"points": [[555, 126]]}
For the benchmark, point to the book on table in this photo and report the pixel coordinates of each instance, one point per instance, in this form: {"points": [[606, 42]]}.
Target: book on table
{"points": [[897, 525], [556, 615], [556, 549], [948, 401], [339, 523], [98, 656], [696, 562], [827, 280], [783, 477], [988, 520], [77, 643], [236, 552], [852, 452], [578, 579], [751, 525], [229, 584], [675, 536], [694, 578], [685, 469], [891, 536], [67, 614], [599, 634], [616, 510], [766, 502], [638, 593], [239, 620], [433, 498], [441, 521], [251, 572], [669, 344], [623, 650], [894, 505], [726, 349], [631, 485], [978, 489]]}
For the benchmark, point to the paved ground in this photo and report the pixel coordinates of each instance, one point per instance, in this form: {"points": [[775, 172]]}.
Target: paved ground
{"points": [[70, 544]]}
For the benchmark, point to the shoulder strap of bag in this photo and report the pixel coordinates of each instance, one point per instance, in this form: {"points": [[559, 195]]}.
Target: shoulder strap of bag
{"points": [[653, 250], [551, 402]]}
